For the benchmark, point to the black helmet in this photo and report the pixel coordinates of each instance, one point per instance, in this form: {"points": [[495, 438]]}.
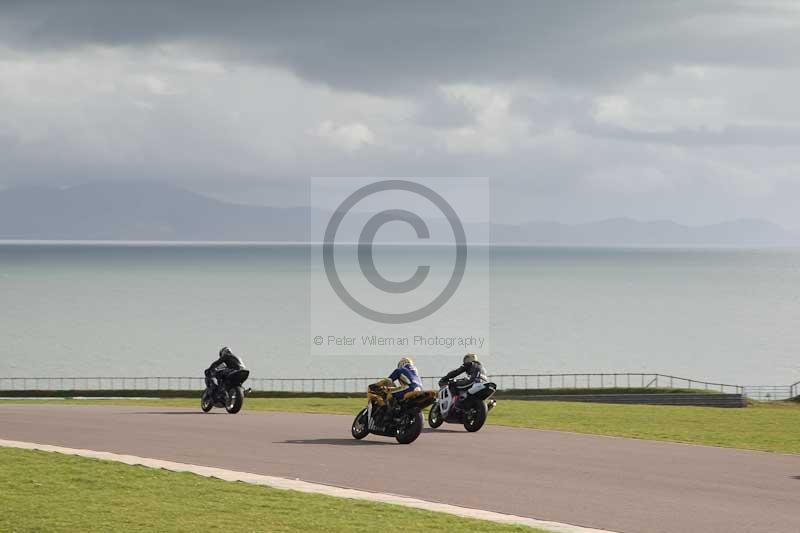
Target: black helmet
{"points": [[469, 359], [224, 351]]}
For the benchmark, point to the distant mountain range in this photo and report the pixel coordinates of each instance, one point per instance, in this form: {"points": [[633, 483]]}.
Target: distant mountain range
{"points": [[141, 211], [155, 212]]}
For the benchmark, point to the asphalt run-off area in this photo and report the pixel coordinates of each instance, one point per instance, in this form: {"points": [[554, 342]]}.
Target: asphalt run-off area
{"points": [[612, 483]]}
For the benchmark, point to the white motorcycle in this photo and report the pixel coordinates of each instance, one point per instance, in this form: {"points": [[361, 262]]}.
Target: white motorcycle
{"points": [[470, 406]]}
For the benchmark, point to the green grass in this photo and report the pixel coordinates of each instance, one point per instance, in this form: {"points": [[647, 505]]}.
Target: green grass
{"points": [[773, 427], [50, 492]]}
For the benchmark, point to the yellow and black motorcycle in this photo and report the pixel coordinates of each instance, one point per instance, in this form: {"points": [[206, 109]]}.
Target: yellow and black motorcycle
{"points": [[401, 419]]}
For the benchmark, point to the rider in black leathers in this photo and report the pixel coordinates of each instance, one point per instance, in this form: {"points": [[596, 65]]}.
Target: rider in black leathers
{"points": [[471, 367], [475, 374], [225, 364]]}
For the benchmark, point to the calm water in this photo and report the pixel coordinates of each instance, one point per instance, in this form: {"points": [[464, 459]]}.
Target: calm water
{"points": [[727, 315]]}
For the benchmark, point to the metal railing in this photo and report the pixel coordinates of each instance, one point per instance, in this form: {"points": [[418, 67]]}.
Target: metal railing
{"points": [[794, 390], [769, 392], [357, 385], [608, 381]]}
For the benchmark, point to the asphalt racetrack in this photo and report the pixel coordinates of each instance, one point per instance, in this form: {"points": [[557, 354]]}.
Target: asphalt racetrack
{"points": [[610, 483]]}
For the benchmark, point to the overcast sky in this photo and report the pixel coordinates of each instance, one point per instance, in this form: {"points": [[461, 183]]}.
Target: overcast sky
{"points": [[576, 110]]}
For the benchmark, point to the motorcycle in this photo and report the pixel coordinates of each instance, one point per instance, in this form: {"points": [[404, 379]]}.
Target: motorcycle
{"points": [[469, 407], [227, 393], [403, 420]]}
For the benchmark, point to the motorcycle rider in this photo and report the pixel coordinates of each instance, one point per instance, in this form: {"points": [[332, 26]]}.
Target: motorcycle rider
{"points": [[407, 375], [225, 364], [475, 374]]}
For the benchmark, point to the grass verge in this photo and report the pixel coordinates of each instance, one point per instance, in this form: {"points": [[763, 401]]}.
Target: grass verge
{"points": [[50, 492], [773, 427]]}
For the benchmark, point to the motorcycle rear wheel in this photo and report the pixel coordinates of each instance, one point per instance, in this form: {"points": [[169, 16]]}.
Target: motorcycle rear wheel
{"points": [[360, 428], [435, 418], [475, 416], [235, 400], [408, 433]]}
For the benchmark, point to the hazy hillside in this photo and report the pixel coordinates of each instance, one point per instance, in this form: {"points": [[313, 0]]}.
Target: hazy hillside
{"points": [[135, 211], [147, 211]]}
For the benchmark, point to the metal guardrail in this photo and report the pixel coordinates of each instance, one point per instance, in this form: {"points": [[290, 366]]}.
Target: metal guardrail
{"points": [[794, 390], [607, 381], [357, 385], [769, 392]]}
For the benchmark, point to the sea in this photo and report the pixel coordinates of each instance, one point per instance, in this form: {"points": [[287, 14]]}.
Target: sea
{"points": [[164, 309]]}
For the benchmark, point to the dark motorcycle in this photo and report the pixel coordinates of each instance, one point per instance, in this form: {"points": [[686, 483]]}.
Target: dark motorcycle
{"points": [[227, 392], [402, 420]]}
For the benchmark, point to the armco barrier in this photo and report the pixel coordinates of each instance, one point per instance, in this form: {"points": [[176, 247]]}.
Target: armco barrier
{"points": [[696, 399]]}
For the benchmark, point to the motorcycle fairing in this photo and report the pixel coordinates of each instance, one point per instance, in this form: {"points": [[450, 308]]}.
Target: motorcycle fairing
{"points": [[445, 400]]}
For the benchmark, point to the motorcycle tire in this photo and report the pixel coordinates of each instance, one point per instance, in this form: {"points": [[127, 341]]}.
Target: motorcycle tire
{"points": [[475, 416], [206, 401], [408, 433], [435, 418], [235, 400], [360, 428]]}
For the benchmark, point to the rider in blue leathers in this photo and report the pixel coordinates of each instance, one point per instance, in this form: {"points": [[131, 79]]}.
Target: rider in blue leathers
{"points": [[407, 375]]}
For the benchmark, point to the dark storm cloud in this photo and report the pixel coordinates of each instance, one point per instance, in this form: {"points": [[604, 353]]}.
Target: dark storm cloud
{"points": [[399, 47], [578, 110]]}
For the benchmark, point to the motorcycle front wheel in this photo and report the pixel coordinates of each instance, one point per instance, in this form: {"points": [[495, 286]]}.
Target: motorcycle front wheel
{"points": [[435, 418], [360, 427], [409, 430], [206, 401], [235, 400], [475, 416]]}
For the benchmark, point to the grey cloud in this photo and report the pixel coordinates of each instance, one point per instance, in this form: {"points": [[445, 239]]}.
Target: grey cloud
{"points": [[733, 134], [576, 110], [438, 111], [249, 134], [394, 48], [555, 106]]}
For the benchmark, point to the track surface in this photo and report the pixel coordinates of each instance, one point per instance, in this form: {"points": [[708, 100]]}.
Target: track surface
{"points": [[604, 482]]}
